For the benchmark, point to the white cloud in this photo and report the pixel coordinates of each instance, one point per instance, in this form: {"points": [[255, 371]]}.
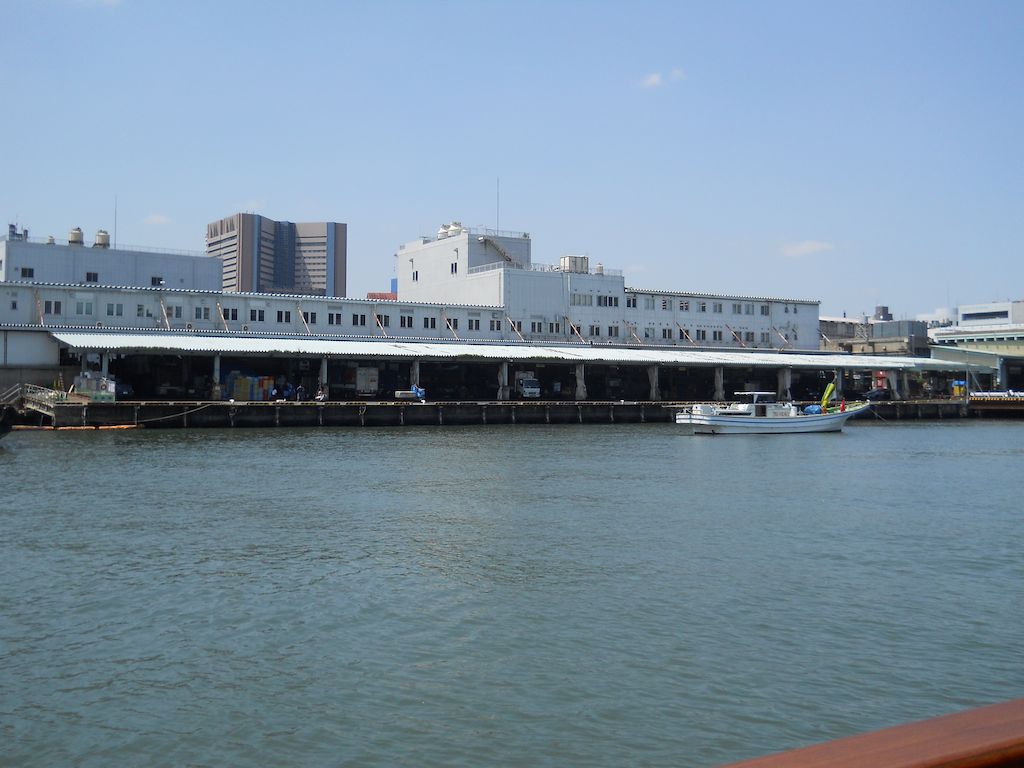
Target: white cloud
{"points": [[657, 79], [156, 220], [805, 248]]}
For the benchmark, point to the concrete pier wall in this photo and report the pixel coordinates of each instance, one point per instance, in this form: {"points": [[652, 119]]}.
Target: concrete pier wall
{"points": [[200, 414]]}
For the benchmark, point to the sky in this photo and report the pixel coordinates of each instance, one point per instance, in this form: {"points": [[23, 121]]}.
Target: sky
{"points": [[859, 154]]}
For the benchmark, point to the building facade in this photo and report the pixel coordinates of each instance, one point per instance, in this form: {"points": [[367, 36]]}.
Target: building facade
{"points": [[579, 302], [261, 255], [71, 261]]}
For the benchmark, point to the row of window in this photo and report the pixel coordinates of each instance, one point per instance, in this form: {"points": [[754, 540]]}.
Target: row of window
{"points": [[113, 309]]}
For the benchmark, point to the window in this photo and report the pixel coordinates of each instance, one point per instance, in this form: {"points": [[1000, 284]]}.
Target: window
{"points": [[716, 335], [649, 332], [554, 327], [581, 300], [155, 280], [666, 333], [631, 302], [284, 316], [764, 309], [14, 303], [140, 310], [51, 308], [256, 315], [82, 308], [795, 337], [334, 318], [648, 302], [717, 307], [749, 336], [765, 337], [613, 330], [28, 272], [748, 309], [358, 320], [737, 308], [405, 321], [202, 313], [702, 306], [115, 310], [92, 277], [230, 313], [682, 334], [495, 325], [794, 309], [474, 323], [700, 334], [665, 304], [174, 312], [684, 305], [309, 317], [415, 275], [455, 267], [430, 322], [595, 330], [385, 320], [453, 323], [536, 327]]}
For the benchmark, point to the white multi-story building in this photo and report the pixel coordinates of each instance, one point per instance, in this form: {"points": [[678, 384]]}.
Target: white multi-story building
{"points": [[575, 301], [71, 261]]}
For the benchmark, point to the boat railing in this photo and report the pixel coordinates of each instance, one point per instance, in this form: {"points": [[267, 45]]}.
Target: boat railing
{"points": [[991, 736]]}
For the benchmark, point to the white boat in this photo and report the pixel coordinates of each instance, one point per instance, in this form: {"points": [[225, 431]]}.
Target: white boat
{"points": [[757, 413]]}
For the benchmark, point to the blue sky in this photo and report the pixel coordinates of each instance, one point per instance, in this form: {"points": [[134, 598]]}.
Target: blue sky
{"points": [[860, 154]]}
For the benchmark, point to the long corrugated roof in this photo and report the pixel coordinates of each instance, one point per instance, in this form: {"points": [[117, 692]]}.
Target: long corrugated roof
{"points": [[227, 344]]}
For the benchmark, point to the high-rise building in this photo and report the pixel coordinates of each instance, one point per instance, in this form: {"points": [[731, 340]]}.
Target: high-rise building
{"points": [[260, 255]]}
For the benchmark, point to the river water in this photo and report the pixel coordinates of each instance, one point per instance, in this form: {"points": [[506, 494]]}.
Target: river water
{"points": [[514, 595]]}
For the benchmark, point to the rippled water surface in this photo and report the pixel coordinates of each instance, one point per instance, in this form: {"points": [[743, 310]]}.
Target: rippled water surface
{"points": [[516, 596]]}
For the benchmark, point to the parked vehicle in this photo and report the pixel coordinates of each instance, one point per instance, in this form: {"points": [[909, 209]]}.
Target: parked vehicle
{"points": [[882, 393], [527, 385]]}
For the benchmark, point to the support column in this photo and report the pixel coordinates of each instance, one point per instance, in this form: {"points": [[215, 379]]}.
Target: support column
{"points": [[783, 390], [414, 374], [893, 382], [581, 381], [652, 377], [104, 363], [215, 393], [503, 381], [905, 384], [1001, 380], [85, 360], [323, 373], [839, 383], [719, 384]]}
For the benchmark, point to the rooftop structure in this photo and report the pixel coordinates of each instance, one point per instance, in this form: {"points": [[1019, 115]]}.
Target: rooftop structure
{"points": [[48, 260]]}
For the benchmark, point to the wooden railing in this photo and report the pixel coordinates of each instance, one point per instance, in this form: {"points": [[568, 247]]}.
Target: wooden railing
{"points": [[989, 737]]}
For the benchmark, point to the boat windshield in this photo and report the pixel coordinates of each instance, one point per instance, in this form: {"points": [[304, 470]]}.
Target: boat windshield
{"points": [[755, 397]]}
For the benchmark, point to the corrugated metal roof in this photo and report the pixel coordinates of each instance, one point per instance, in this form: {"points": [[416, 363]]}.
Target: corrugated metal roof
{"points": [[114, 341]]}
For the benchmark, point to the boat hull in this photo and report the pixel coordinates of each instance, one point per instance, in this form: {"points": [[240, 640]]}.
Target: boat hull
{"points": [[718, 424]]}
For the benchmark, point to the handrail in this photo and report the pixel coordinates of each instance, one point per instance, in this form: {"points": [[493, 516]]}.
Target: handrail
{"points": [[988, 737], [11, 396]]}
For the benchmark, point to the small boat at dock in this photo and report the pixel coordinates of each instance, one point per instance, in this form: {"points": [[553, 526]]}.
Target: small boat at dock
{"points": [[757, 413]]}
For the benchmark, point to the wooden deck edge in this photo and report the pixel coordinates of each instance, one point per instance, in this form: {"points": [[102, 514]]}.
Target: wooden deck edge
{"points": [[987, 737]]}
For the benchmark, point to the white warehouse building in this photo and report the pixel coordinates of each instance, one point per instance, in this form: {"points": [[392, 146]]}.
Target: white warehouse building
{"points": [[577, 301], [25, 260]]}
